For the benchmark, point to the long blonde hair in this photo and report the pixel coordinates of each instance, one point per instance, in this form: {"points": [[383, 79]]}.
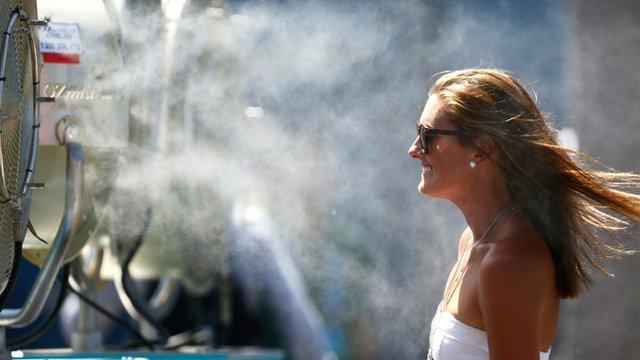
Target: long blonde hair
{"points": [[568, 203]]}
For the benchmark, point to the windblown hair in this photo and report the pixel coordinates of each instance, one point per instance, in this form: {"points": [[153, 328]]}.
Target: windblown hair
{"points": [[570, 205]]}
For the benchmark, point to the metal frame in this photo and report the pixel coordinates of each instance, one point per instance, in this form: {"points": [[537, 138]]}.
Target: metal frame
{"points": [[161, 302], [68, 225], [13, 19], [36, 103], [85, 277]]}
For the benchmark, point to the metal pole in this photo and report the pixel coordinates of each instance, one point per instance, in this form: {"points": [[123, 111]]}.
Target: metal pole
{"points": [[87, 337], [68, 226]]}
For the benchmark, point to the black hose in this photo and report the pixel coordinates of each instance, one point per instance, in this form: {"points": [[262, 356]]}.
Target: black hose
{"points": [[35, 332], [111, 316], [141, 308]]}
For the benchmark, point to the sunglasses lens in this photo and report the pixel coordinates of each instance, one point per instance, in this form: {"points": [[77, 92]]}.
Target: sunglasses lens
{"points": [[425, 138]]}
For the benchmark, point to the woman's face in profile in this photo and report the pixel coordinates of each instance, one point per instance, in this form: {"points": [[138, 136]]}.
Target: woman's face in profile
{"points": [[445, 167]]}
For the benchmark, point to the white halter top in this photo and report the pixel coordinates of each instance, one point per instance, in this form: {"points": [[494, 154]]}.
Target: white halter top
{"points": [[451, 339]]}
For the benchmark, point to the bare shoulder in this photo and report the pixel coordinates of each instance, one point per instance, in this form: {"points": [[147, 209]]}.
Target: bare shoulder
{"points": [[519, 269], [517, 260], [515, 279]]}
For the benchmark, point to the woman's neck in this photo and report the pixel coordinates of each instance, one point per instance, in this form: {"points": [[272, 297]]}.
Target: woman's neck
{"points": [[483, 204]]}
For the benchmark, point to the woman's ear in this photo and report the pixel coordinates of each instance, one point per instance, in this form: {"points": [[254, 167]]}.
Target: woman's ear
{"points": [[485, 149]]}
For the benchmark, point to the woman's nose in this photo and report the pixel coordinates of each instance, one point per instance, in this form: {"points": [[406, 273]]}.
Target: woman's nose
{"points": [[415, 149]]}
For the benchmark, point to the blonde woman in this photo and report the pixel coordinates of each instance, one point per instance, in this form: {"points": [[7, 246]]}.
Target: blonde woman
{"points": [[533, 212]]}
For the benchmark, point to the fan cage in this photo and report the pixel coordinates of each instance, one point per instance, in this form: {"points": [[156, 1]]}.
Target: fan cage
{"points": [[19, 75]]}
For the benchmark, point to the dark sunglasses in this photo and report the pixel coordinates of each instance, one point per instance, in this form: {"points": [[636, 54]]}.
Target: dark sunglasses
{"points": [[427, 135]]}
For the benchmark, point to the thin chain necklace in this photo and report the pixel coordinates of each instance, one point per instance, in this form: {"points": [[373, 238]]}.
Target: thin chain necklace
{"points": [[443, 305], [508, 208]]}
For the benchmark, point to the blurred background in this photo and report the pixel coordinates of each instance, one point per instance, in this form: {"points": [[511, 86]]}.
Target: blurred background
{"points": [[257, 151]]}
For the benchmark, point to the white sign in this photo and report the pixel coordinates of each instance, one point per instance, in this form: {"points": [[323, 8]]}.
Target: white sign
{"points": [[60, 43]]}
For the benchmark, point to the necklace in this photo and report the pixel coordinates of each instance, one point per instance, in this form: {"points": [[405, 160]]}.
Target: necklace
{"points": [[458, 274], [442, 306]]}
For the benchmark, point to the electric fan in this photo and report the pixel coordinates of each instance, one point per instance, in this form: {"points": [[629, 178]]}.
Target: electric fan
{"points": [[18, 130]]}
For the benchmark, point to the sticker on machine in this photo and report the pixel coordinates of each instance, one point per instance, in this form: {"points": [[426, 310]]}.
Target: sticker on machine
{"points": [[60, 43]]}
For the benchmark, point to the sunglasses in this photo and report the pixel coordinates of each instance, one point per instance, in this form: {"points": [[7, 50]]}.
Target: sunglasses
{"points": [[427, 135]]}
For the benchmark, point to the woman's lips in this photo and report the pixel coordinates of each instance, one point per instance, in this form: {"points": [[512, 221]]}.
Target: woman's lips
{"points": [[426, 169]]}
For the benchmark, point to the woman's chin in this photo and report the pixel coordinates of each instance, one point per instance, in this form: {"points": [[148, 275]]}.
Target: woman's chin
{"points": [[428, 188], [423, 188]]}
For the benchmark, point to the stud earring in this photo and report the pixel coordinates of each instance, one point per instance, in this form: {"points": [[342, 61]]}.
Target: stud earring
{"points": [[472, 164]]}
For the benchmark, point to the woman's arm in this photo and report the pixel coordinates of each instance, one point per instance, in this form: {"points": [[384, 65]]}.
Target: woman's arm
{"points": [[510, 299]]}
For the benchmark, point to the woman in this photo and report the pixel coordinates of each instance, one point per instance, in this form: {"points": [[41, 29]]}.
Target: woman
{"points": [[534, 215]]}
